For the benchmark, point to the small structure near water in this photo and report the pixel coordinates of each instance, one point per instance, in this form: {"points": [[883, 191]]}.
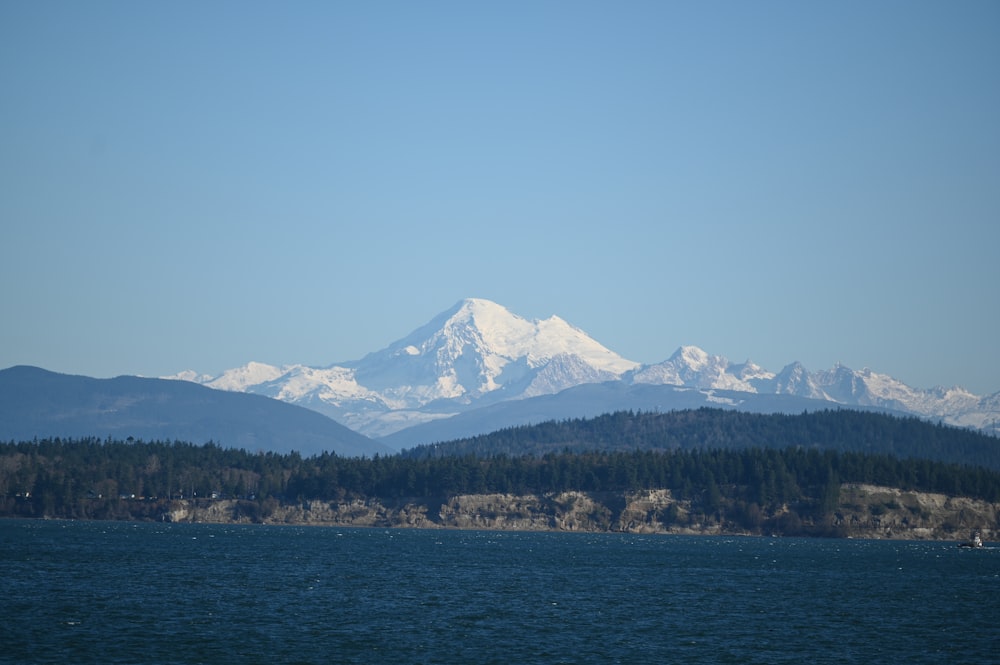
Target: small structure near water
{"points": [[975, 540]]}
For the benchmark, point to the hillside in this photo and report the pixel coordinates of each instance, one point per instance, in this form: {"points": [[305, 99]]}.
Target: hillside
{"points": [[843, 430], [38, 403]]}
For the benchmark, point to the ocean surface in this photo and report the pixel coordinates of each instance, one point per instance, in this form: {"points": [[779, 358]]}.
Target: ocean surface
{"points": [[113, 592]]}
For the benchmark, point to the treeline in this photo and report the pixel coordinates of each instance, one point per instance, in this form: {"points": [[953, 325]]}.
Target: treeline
{"points": [[111, 479], [842, 430]]}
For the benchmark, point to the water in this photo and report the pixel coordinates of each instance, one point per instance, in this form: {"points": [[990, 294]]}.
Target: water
{"points": [[109, 592]]}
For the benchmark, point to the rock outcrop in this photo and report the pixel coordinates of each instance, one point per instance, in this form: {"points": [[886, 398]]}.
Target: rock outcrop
{"points": [[864, 511], [869, 511]]}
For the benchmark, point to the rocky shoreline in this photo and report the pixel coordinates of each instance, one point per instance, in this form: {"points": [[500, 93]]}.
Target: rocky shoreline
{"points": [[864, 511]]}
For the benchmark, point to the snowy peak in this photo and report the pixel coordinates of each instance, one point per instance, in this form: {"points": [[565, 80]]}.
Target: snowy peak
{"points": [[795, 379], [471, 325], [484, 327], [492, 324], [242, 378], [844, 385], [692, 367], [693, 359], [478, 347]]}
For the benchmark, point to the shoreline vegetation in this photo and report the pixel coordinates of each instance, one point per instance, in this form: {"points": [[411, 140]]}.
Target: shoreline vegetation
{"points": [[791, 491]]}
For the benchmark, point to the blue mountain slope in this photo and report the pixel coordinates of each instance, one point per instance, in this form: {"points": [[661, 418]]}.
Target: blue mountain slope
{"points": [[38, 403]]}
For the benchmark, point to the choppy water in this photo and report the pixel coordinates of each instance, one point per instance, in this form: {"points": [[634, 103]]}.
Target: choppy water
{"points": [[108, 592]]}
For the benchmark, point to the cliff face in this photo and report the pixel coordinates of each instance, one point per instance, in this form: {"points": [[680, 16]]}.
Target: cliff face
{"points": [[864, 511], [870, 511]]}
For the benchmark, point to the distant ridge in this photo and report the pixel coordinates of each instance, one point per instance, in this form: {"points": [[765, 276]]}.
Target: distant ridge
{"points": [[712, 429], [38, 403]]}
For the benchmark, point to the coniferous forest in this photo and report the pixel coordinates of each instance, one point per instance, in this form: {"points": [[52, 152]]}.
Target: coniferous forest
{"points": [[842, 430], [91, 478]]}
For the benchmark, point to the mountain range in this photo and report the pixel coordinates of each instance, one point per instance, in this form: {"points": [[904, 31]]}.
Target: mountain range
{"points": [[478, 367]]}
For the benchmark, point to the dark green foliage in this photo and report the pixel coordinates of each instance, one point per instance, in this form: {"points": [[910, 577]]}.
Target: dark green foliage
{"points": [[778, 474], [843, 430], [94, 479]]}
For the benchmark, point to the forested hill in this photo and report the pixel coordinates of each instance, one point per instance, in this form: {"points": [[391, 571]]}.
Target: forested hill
{"points": [[722, 429], [794, 491]]}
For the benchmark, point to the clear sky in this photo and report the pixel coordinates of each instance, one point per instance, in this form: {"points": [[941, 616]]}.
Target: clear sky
{"points": [[194, 185]]}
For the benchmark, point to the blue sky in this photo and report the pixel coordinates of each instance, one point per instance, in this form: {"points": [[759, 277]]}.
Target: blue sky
{"points": [[197, 185]]}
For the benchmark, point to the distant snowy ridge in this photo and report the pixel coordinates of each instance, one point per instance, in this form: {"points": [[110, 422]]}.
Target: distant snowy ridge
{"points": [[693, 368], [478, 353]]}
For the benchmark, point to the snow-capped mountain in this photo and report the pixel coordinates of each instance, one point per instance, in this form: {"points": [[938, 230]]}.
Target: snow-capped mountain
{"points": [[693, 368], [477, 348], [473, 354], [478, 353]]}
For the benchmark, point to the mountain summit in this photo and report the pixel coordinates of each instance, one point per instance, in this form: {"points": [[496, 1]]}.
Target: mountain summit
{"points": [[473, 354], [478, 347], [477, 355]]}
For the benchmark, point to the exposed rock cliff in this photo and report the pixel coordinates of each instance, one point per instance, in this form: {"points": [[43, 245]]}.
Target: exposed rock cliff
{"points": [[884, 512], [865, 511]]}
